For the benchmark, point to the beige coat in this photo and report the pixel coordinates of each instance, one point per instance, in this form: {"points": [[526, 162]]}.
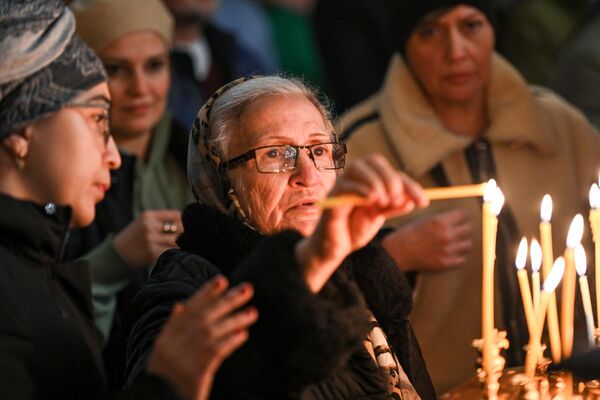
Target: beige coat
{"points": [[540, 145]]}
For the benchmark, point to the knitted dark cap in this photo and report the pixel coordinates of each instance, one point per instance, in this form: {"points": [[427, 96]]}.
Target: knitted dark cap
{"points": [[410, 12]]}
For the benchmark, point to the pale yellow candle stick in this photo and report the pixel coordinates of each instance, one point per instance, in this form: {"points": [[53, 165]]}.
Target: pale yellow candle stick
{"points": [[581, 266], [547, 260], [492, 205], [438, 193], [536, 261], [595, 226], [520, 262], [548, 288], [568, 288]]}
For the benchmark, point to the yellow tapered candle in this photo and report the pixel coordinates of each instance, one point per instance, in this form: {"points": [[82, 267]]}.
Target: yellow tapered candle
{"points": [[581, 266], [492, 205], [595, 226], [535, 345], [536, 261], [520, 262], [547, 260], [437, 193], [567, 314]]}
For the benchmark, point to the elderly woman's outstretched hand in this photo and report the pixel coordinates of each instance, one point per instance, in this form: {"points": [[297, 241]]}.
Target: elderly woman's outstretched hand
{"points": [[200, 334], [347, 228]]}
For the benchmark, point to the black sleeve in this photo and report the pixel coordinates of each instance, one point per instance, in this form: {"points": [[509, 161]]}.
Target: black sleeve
{"points": [[300, 337], [176, 276]]}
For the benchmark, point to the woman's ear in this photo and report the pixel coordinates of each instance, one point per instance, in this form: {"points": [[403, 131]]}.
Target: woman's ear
{"points": [[17, 146]]}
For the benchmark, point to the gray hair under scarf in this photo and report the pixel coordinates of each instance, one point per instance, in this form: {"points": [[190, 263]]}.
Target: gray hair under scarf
{"points": [[43, 66], [216, 121]]}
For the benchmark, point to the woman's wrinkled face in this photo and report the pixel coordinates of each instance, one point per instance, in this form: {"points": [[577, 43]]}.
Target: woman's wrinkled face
{"points": [[138, 70], [277, 201], [69, 156], [451, 54]]}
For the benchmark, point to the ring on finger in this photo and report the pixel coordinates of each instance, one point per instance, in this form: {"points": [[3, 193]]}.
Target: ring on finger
{"points": [[169, 227]]}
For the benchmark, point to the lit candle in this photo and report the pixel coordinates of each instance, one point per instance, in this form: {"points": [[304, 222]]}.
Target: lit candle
{"points": [[547, 260], [550, 284], [595, 225], [568, 288], [435, 193], [520, 262], [581, 266], [493, 200], [535, 253]]}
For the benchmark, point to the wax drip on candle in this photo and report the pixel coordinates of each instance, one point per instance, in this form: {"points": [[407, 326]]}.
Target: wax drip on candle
{"points": [[546, 209]]}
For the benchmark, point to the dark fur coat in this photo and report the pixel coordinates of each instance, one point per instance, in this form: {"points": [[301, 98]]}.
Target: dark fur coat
{"points": [[304, 345]]}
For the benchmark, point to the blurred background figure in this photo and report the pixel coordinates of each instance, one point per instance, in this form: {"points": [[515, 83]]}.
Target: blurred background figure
{"points": [[249, 22], [204, 57], [532, 33], [451, 111], [295, 41], [355, 39], [576, 75], [140, 216]]}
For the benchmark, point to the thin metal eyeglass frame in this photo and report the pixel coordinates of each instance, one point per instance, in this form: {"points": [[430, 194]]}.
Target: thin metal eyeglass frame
{"points": [[251, 154]]}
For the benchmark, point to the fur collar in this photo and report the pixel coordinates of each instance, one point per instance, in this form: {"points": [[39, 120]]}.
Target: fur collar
{"points": [[221, 239], [513, 112]]}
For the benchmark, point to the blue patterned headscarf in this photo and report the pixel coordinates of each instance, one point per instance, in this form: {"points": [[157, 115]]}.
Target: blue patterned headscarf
{"points": [[42, 65]]}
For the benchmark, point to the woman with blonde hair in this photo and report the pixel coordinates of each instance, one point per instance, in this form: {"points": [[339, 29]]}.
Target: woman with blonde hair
{"points": [[140, 217]]}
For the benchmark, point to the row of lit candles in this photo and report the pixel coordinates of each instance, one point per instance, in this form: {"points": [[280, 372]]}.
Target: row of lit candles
{"points": [[541, 300]]}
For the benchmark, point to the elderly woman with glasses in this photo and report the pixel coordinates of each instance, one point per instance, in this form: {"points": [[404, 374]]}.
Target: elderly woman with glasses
{"points": [[333, 306]]}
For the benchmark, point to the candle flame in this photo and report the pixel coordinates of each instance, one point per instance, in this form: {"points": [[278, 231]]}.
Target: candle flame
{"points": [[521, 259], [490, 190], [546, 209], [575, 232], [595, 196], [554, 276], [497, 201], [580, 260], [535, 252]]}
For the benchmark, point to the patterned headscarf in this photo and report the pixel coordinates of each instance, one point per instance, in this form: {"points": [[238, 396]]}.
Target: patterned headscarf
{"points": [[209, 183], [42, 65]]}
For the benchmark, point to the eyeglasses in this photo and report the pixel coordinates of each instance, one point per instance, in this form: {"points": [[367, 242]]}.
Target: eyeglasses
{"points": [[102, 120], [283, 158]]}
